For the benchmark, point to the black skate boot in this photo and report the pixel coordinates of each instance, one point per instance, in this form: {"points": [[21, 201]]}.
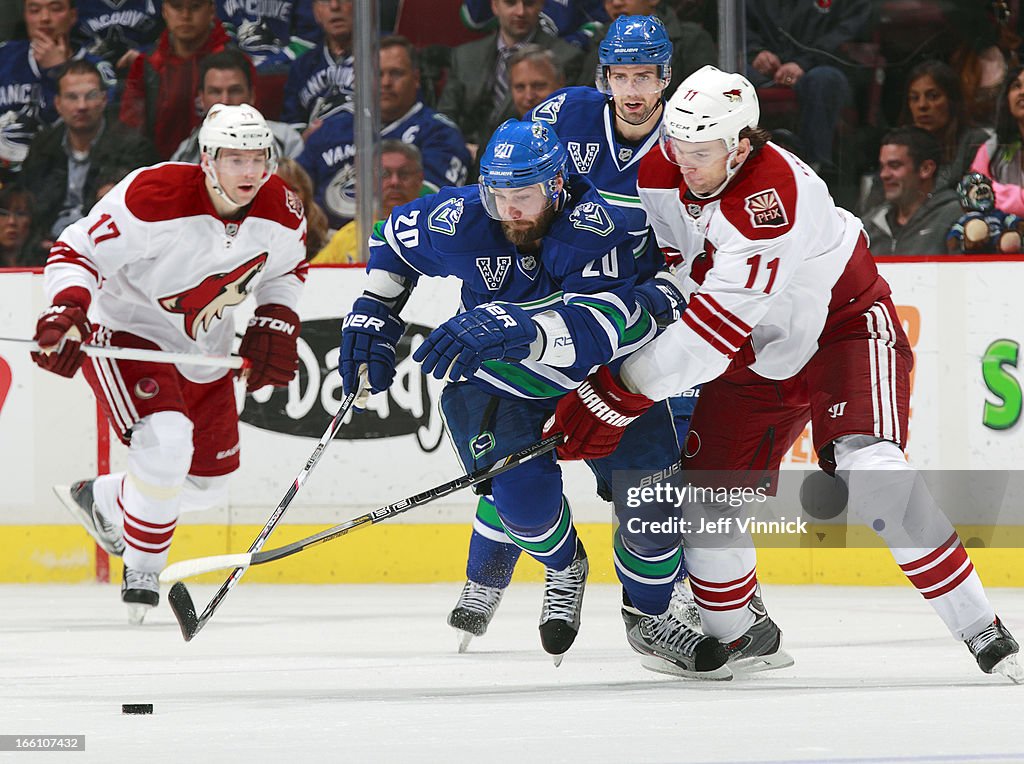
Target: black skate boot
{"points": [[996, 651], [668, 645], [79, 501], [140, 591], [474, 611], [563, 600], [760, 648]]}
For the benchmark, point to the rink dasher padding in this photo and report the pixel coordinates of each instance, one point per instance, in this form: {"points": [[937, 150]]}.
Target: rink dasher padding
{"points": [[424, 553], [964, 317]]}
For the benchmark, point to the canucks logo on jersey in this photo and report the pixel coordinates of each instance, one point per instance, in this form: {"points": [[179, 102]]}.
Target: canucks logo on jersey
{"points": [[585, 272]]}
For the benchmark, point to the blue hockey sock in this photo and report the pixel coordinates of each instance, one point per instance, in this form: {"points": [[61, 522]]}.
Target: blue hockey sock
{"points": [[492, 554]]}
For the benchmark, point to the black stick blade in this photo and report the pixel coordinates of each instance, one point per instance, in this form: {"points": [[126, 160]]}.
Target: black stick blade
{"points": [[184, 610]]}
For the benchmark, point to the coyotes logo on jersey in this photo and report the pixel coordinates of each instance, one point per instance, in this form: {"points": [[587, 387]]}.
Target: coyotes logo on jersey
{"points": [[765, 209], [208, 300]]}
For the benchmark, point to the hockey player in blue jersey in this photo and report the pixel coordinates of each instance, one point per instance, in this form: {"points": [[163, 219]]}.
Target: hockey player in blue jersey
{"points": [[548, 276], [329, 155], [606, 132]]}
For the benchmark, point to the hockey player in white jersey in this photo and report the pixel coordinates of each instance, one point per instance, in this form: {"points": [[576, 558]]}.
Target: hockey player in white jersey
{"points": [[788, 321], [161, 262]]}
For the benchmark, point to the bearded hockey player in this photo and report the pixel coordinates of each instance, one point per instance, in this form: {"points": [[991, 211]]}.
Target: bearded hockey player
{"points": [[548, 271]]}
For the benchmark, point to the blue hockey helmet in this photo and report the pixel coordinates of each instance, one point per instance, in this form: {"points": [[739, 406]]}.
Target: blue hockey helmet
{"points": [[521, 154], [635, 41]]}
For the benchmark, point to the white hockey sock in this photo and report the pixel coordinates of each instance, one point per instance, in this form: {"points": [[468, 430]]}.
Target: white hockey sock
{"points": [[105, 493], [890, 496], [158, 462], [723, 580]]}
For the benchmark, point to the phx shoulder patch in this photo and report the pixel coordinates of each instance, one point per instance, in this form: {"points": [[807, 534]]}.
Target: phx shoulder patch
{"points": [[765, 209]]}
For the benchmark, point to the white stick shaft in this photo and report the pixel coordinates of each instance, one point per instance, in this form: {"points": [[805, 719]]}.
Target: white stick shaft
{"points": [[189, 568], [151, 356], [163, 356]]}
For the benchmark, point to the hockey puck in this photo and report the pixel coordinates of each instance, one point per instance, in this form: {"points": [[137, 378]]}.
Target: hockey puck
{"points": [[136, 708]]}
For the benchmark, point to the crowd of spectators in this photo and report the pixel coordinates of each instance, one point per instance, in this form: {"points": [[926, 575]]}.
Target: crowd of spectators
{"points": [[893, 110]]}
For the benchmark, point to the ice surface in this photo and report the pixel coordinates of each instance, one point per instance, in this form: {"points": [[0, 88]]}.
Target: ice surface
{"points": [[371, 673]]}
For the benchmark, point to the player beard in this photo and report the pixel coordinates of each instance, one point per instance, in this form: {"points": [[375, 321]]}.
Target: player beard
{"points": [[522, 235]]}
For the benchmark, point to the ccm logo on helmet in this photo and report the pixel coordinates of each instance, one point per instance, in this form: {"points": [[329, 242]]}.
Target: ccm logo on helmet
{"points": [[370, 322]]}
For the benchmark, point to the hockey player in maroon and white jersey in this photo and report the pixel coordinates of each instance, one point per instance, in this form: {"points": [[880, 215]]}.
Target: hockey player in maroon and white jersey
{"points": [[161, 262], [788, 321]]}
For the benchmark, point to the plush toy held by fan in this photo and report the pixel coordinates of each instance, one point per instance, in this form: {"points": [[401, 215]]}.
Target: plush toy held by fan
{"points": [[983, 229]]}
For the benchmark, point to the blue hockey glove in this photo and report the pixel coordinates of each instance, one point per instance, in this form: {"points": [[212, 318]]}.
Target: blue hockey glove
{"points": [[490, 332], [662, 297], [369, 335]]}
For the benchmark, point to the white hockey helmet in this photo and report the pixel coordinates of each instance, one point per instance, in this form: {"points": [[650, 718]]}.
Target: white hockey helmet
{"points": [[234, 127], [711, 105]]}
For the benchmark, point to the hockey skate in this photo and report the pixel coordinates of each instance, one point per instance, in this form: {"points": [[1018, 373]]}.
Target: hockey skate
{"points": [[760, 648], [79, 501], [668, 645], [563, 600], [140, 591], [996, 651], [474, 611]]}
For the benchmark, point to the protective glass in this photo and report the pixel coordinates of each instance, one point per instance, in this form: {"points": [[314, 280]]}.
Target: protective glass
{"points": [[692, 155], [522, 203], [632, 80]]}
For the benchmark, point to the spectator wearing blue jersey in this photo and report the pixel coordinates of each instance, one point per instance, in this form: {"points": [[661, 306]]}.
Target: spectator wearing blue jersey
{"points": [[65, 162], [263, 31], [117, 31], [329, 155], [401, 181], [692, 45], [476, 92], [28, 77], [575, 22], [321, 80]]}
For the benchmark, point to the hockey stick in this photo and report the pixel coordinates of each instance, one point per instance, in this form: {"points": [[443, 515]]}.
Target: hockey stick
{"points": [[179, 598], [199, 565], [146, 354]]}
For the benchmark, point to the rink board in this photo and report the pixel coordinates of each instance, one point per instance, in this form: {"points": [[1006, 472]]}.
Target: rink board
{"points": [[964, 318]]}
